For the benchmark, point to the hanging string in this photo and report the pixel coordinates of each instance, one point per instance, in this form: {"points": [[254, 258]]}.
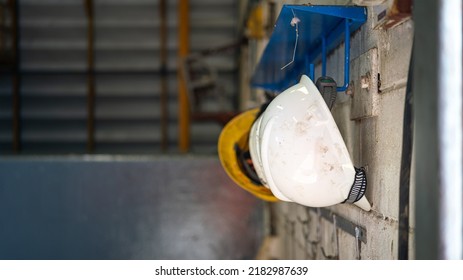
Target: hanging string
{"points": [[294, 22]]}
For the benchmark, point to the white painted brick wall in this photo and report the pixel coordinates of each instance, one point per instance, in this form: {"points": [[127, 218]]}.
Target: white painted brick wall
{"points": [[374, 140]]}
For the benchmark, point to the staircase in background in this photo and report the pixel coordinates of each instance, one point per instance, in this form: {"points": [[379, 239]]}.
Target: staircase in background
{"points": [[54, 71]]}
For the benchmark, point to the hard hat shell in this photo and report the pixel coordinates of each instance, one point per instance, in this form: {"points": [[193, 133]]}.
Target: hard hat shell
{"points": [[236, 132], [298, 151]]}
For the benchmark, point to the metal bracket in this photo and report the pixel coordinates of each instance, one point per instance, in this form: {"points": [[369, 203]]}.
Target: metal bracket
{"points": [[357, 231], [319, 31], [345, 85], [346, 56]]}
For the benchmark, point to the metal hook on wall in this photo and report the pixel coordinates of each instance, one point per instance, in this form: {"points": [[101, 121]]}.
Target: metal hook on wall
{"points": [[287, 237], [340, 223], [289, 233], [318, 230], [305, 231], [358, 245], [310, 66], [306, 234], [292, 225], [335, 235]]}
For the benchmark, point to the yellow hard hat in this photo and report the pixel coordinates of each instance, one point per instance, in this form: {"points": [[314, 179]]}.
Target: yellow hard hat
{"points": [[233, 143]]}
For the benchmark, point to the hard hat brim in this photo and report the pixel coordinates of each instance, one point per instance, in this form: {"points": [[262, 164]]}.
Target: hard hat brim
{"points": [[235, 132]]}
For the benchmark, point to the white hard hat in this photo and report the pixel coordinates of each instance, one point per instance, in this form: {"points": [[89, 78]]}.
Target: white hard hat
{"points": [[299, 153]]}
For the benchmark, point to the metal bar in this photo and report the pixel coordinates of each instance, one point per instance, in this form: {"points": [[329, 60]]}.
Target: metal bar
{"points": [[346, 56], [16, 100], [425, 124], [184, 108], [312, 72], [450, 129], [307, 65], [163, 70], [2, 28], [152, 72], [232, 46], [323, 56], [342, 223], [400, 11], [405, 169], [438, 129], [87, 72], [90, 78]]}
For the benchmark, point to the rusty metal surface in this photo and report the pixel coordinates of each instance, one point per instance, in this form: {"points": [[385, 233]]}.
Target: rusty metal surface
{"points": [[103, 207], [397, 13]]}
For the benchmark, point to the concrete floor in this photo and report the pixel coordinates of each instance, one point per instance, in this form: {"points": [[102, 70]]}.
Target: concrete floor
{"points": [[124, 208]]}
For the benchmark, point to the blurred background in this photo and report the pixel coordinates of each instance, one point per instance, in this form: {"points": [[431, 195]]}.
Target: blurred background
{"points": [[107, 150], [110, 113], [101, 76]]}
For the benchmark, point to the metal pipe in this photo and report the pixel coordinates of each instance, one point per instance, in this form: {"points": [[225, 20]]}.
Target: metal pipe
{"points": [[405, 168], [438, 129], [346, 56], [323, 56], [184, 110], [312, 72], [450, 129], [425, 140], [163, 70], [151, 72], [90, 78], [16, 101]]}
